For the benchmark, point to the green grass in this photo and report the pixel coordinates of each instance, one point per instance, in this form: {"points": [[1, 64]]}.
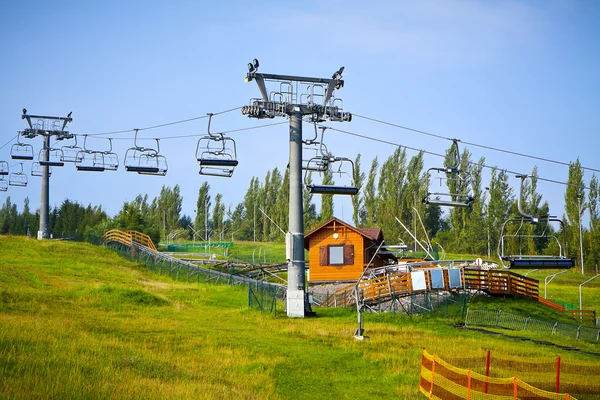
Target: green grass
{"points": [[78, 321]]}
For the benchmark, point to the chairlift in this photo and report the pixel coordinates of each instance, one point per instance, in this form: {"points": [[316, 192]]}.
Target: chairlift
{"points": [[18, 178], [454, 174], [37, 169], [3, 185], [216, 154], [71, 152], [145, 161], [318, 164], [53, 159], [528, 261], [21, 151], [89, 160], [330, 161], [4, 168]]}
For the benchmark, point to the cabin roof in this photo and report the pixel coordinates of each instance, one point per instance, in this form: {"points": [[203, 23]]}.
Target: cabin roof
{"points": [[373, 234]]}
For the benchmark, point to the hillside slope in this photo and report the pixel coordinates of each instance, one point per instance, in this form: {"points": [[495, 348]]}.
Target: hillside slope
{"points": [[79, 321]]}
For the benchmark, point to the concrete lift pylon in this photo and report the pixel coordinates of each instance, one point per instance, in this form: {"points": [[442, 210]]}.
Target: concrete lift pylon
{"points": [[318, 103]]}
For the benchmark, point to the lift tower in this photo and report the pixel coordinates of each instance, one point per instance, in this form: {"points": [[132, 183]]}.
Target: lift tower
{"points": [[47, 127], [296, 97]]}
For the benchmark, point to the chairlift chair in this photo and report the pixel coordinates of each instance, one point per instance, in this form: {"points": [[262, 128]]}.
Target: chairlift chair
{"points": [[331, 189], [71, 152], [528, 261], [216, 154], [21, 151], [3, 185], [145, 161], [90, 161], [55, 156], [18, 178], [327, 161], [452, 173], [4, 168], [313, 162], [37, 169]]}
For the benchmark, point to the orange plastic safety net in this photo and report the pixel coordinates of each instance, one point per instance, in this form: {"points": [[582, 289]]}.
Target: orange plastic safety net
{"points": [[442, 381]]}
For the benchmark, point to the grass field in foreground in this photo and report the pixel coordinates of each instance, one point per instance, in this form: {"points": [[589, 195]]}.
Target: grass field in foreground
{"points": [[78, 321]]}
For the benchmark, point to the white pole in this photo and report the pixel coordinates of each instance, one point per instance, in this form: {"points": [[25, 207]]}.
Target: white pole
{"points": [[580, 291], [580, 240]]}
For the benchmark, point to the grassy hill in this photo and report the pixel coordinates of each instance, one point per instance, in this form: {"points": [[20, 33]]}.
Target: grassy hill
{"points": [[79, 321]]}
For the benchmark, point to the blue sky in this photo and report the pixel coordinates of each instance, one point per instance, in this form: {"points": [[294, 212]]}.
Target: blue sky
{"points": [[517, 75]]}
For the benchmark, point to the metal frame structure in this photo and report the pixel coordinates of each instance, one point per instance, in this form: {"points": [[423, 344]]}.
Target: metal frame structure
{"points": [[451, 173], [47, 127], [522, 261], [145, 160], [216, 154], [3, 185], [296, 97]]}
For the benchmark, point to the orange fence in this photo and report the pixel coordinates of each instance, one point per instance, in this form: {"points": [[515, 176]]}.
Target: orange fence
{"points": [[501, 282], [126, 238], [442, 381]]}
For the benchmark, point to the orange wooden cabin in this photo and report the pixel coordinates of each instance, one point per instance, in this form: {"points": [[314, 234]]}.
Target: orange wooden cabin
{"points": [[340, 252]]}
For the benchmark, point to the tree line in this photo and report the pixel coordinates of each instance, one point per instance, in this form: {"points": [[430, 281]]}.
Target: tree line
{"points": [[388, 189]]}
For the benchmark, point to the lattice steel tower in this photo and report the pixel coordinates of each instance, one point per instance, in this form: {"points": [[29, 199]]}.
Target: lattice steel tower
{"points": [[47, 127], [296, 97]]}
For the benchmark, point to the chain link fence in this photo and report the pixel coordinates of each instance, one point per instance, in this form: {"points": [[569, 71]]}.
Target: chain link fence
{"points": [[508, 320]]}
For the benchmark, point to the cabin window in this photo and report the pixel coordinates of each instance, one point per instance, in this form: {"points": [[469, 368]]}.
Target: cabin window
{"points": [[336, 255]]}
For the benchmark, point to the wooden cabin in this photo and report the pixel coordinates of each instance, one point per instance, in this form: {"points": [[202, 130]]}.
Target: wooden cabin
{"points": [[339, 252]]}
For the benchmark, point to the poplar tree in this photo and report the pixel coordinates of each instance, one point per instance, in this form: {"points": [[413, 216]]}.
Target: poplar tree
{"points": [[203, 205], [390, 189], [593, 255], [370, 196], [358, 177], [575, 204], [498, 206], [310, 210], [327, 199]]}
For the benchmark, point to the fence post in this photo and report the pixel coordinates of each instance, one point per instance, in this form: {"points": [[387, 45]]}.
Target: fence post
{"points": [[498, 318], [432, 376], [487, 370], [557, 374], [469, 385], [515, 385]]}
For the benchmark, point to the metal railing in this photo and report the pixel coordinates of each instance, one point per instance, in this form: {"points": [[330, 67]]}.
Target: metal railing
{"points": [[179, 269]]}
